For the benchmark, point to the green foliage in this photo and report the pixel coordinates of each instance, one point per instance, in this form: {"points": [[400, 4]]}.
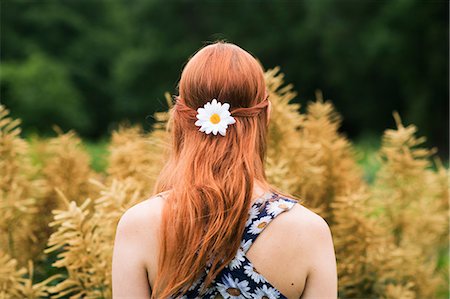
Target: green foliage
{"points": [[367, 147], [119, 57], [41, 89], [98, 152]]}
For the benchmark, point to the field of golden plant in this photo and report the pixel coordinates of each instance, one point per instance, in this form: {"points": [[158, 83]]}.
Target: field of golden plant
{"points": [[58, 215]]}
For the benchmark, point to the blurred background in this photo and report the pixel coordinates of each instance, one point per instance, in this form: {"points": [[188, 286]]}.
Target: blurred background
{"points": [[88, 65]]}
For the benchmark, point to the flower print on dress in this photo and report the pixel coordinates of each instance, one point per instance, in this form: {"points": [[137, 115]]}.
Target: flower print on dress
{"points": [[197, 282], [233, 288], [253, 213], [253, 274], [237, 261], [239, 279], [259, 225], [246, 245], [266, 292], [208, 291], [210, 262], [276, 207]]}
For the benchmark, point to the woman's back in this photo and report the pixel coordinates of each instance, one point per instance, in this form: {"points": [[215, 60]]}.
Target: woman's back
{"points": [[286, 251], [241, 277], [211, 173]]}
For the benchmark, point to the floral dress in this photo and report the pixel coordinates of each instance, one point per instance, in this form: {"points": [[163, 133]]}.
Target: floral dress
{"points": [[239, 279]]}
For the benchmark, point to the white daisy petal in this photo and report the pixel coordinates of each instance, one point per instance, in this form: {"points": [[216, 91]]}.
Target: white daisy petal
{"points": [[276, 207], [246, 245], [224, 114], [231, 120], [259, 225], [253, 213], [222, 125], [250, 270], [233, 288], [267, 292], [216, 109], [203, 116], [237, 261]]}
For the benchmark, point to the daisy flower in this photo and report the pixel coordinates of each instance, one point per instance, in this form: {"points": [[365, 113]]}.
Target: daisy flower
{"points": [[259, 225], [246, 245], [276, 207], [250, 270], [253, 213], [214, 117], [234, 289], [237, 261], [267, 292]]}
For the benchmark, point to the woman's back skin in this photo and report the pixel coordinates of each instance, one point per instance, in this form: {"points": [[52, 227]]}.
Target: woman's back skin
{"points": [[294, 253]]}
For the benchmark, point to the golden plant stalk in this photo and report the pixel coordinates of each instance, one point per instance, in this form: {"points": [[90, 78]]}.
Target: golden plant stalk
{"points": [[10, 277], [411, 198], [85, 234], [18, 282], [66, 166], [146, 160], [82, 255], [17, 192], [382, 249]]}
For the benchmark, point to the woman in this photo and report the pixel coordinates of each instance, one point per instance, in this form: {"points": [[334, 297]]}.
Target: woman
{"points": [[215, 228]]}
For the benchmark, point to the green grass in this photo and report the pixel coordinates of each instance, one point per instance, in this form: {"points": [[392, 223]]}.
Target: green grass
{"points": [[367, 148], [99, 154]]}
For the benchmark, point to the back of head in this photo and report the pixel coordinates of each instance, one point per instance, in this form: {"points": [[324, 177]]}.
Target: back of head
{"points": [[223, 71], [210, 177]]}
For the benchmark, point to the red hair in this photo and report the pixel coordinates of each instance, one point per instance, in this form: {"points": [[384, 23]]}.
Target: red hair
{"points": [[211, 177]]}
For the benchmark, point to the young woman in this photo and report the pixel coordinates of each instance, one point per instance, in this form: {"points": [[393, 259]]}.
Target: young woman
{"points": [[215, 228]]}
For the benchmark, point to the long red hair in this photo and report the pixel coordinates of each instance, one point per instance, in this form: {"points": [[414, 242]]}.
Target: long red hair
{"points": [[211, 177]]}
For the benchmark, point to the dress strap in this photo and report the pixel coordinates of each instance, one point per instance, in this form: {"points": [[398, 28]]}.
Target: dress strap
{"points": [[261, 213]]}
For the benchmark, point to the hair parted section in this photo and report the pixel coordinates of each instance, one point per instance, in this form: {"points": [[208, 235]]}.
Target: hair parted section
{"points": [[211, 180]]}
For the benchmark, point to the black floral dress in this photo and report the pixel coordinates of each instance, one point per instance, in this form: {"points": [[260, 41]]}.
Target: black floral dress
{"points": [[239, 279]]}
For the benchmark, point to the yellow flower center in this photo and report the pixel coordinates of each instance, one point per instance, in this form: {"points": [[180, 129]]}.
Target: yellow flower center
{"points": [[262, 224], [283, 206], [215, 118]]}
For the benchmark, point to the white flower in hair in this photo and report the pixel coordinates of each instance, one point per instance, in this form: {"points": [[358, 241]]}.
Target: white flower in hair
{"points": [[214, 117]]}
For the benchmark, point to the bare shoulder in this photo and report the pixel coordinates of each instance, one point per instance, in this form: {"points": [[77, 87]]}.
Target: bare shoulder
{"points": [[135, 248], [138, 230], [305, 231], [308, 222], [311, 245], [304, 221], [142, 216]]}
